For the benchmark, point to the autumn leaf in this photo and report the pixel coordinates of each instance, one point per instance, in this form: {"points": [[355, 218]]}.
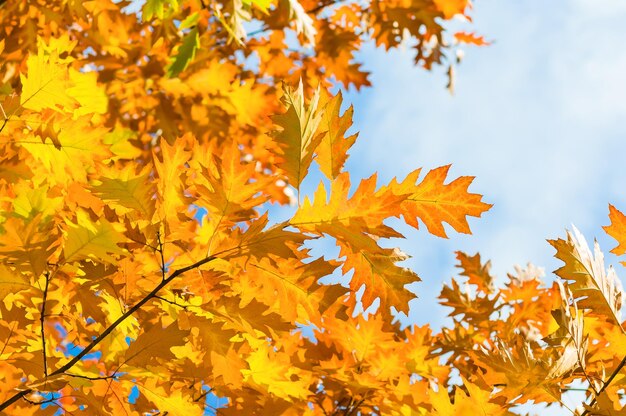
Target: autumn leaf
{"points": [[449, 8], [434, 202], [157, 8], [593, 286], [91, 99], [170, 180], [186, 53], [46, 84], [617, 230], [271, 370], [298, 134], [367, 208], [157, 342], [12, 281], [470, 38], [88, 239], [173, 403], [377, 269], [127, 190], [476, 272], [470, 400], [332, 151]]}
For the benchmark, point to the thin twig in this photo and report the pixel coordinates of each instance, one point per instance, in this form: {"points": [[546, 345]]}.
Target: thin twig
{"points": [[346, 411], [42, 319], [21, 394], [356, 406], [204, 394], [51, 400], [606, 384], [184, 307], [91, 377], [160, 250]]}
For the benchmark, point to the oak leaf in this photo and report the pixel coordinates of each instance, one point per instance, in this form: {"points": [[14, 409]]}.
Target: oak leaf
{"points": [[617, 230], [298, 135], [592, 285], [434, 202], [332, 151], [88, 239]]}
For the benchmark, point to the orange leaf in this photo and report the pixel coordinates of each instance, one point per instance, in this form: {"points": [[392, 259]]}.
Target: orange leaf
{"points": [[471, 38], [617, 230], [434, 202]]}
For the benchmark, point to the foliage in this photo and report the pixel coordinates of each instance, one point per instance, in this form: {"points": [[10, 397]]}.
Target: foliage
{"points": [[140, 271]]}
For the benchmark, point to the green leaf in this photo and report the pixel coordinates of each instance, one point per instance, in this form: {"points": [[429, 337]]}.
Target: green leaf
{"points": [[157, 8], [190, 21], [186, 52]]}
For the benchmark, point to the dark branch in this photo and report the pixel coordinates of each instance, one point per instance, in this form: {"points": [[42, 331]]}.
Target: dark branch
{"points": [[42, 320], [606, 384], [21, 394], [91, 377], [171, 302], [160, 250]]}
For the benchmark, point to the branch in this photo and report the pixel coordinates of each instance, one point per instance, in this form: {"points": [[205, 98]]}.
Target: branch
{"points": [[42, 320], [4, 114], [203, 395], [606, 384], [160, 250], [51, 400], [110, 328], [171, 302], [91, 377]]}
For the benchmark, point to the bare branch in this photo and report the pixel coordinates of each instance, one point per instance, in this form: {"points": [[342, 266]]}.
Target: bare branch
{"points": [[21, 394], [606, 384], [42, 319]]}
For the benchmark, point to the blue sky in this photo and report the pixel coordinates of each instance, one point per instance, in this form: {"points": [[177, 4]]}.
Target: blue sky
{"points": [[538, 117]]}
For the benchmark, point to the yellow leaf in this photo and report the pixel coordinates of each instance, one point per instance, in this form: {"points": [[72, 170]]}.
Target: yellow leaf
{"points": [[171, 172], [332, 150], [11, 281], [127, 190], [173, 403], [95, 240], [46, 83], [85, 90], [376, 268], [298, 135], [473, 402], [76, 151], [273, 371], [366, 207], [153, 344]]}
